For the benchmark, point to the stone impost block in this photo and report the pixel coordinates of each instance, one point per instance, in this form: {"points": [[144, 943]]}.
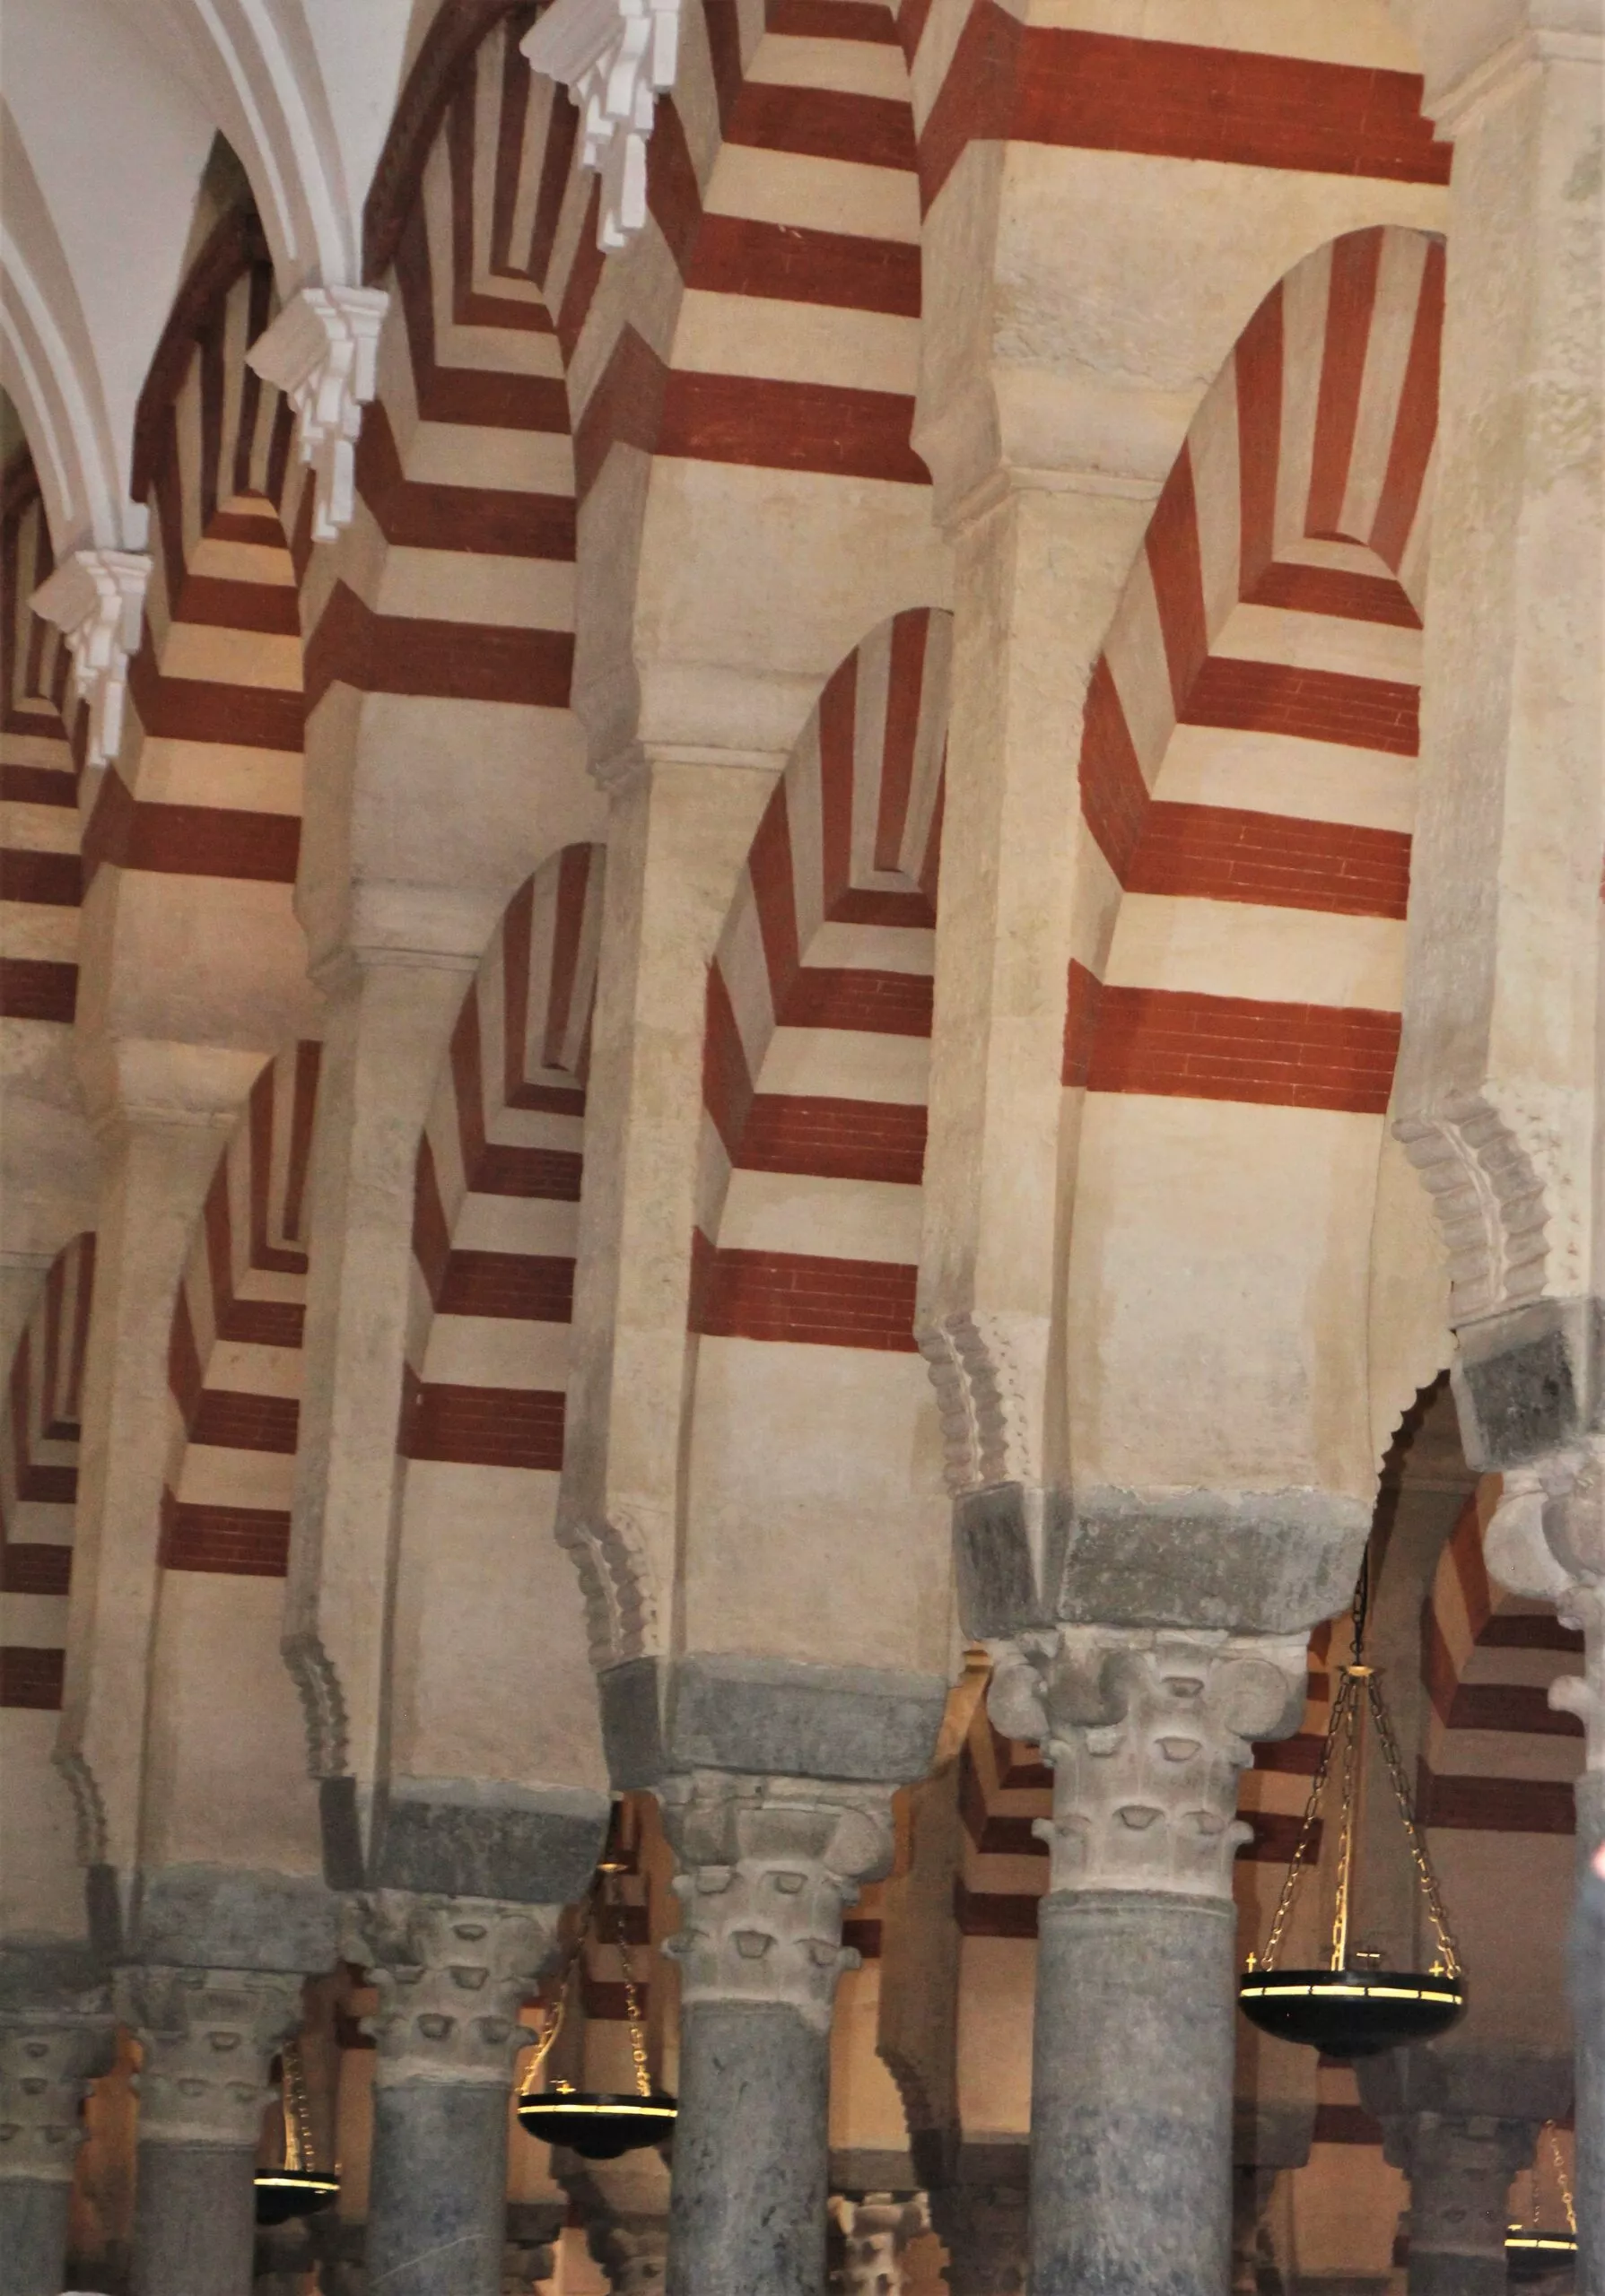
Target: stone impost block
{"points": [[476, 1837], [216, 1916], [768, 1716], [1531, 1381], [1271, 1562]]}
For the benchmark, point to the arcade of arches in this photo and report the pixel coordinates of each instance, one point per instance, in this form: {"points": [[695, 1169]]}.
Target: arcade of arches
{"points": [[803, 824]]}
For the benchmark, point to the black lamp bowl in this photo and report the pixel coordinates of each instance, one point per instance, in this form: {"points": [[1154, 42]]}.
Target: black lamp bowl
{"points": [[1351, 2013], [284, 2193], [1534, 2255], [596, 2124]]}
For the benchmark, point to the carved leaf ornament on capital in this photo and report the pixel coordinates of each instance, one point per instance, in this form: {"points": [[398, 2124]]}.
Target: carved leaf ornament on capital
{"points": [[766, 1877], [1147, 1733], [452, 1975], [207, 2038]]}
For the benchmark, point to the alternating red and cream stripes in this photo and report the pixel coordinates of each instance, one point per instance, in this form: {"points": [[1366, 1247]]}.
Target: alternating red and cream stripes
{"points": [[234, 1357], [497, 1191], [39, 1482], [771, 316], [815, 1070], [1497, 1757], [455, 582], [1246, 765], [40, 876], [982, 75], [212, 750]]}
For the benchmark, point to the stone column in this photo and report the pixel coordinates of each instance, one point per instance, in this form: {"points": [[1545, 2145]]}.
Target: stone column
{"points": [[1132, 2064], [983, 2227], [877, 2231], [1588, 2008], [47, 2058], [768, 1866], [452, 1975], [207, 2038]]}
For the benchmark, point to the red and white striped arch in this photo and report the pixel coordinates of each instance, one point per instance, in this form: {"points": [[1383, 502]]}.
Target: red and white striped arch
{"points": [[496, 1196], [805, 1253], [39, 1482], [1247, 777]]}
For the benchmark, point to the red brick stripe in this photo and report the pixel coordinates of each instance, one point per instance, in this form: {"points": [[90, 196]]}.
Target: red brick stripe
{"points": [[455, 661], [1334, 590], [1345, 2125], [1416, 424], [507, 1283], [551, 1174], [1106, 93], [884, 1004], [35, 1567], [1083, 993], [834, 1139], [236, 1541], [32, 1677], [1351, 299], [232, 1420], [734, 256], [1496, 1804], [262, 1323], [1216, 853], [1114, 797], [207, 710], [824, 124], [1521, 1707], [37, 785], [1529, 1630], [491, 1427], [1316, 705], [855, 19], [53, 880], [1178, 1044], [32, 988], [190, 841], [216, 604], [503, 521], [826, 427], [797, 1296]]}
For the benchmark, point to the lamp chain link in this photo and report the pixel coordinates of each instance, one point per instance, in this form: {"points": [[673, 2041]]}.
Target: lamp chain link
{"points": [[1425, 1874]]}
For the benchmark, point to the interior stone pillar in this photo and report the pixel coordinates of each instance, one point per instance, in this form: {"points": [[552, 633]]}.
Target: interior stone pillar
{"points": [[1588, 2007], [768, 1866], [48, 2056], [625, 2205], [207, 2038], [983, 2224], [452, 1975], [1133, 2054]]}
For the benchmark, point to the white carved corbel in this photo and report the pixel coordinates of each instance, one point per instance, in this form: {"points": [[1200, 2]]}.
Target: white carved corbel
{"points": [[614, 57], [322, 351], [96, 599]]}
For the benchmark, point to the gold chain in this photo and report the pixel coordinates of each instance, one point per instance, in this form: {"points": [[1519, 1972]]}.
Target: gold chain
{"points": [[553, 2025], [638, 2040], [1353, 1714], [1430, 1891], [297, 2117], [1295, 1871], [1561, 2178]]}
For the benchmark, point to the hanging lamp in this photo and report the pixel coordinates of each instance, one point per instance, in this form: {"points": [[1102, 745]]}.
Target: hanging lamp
{"points": [[1531, 2253], [597, 2124], [300, 2187], [1351, 2008]]}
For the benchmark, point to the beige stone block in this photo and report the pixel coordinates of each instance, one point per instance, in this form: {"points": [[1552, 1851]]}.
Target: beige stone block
{"points": [[1295, 956]]}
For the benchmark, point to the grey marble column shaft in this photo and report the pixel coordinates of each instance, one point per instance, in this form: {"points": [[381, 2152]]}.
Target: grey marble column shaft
{"points": [[1131, 2096], [751, 2166], [437, 2206], [1147, 1731], [33, 2235], [194, 2219], [768, 1866], [452, 1974], [1588, 2005]]}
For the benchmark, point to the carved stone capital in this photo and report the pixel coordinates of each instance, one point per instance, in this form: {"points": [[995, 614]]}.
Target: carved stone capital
{"points": [[770, 1866], [1146, 1731], [877, 2231], [614, 57], [96, 599], [322, 351], [1460, 2167], [207, 2038], [988, 1371], [452, 1975], [1546, 1540], [47, 2060]]}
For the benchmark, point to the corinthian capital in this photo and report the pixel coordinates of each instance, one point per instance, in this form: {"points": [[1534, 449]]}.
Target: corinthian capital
{"points": [[452, 1975], [1146, 1730], [47, 2058], [207, 2038], [770, 1864]]}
